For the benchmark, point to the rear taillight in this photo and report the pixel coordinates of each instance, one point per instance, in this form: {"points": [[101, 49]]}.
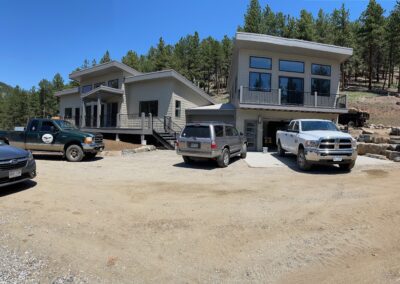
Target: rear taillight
{"points": [[213, 145]]}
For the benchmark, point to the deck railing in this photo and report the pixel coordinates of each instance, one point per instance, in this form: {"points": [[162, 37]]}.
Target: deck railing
{"points": [[279, 97]]}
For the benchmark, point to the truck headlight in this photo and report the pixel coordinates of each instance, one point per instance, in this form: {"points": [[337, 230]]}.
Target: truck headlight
{"points": [[88, 140], [311, 144], [354, 143]]}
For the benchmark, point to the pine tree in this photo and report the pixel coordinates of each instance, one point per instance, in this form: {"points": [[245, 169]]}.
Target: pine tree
{"points": [[305, 26], [85, 64], [58, 82], [253, 17], [322, 27], [106, 58], [94, 63], [161, 56], [392, 36], [131, 59], [268, 22]]}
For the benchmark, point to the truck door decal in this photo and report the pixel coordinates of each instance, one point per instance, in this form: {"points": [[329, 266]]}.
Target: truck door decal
{"points": [[47, 138]]}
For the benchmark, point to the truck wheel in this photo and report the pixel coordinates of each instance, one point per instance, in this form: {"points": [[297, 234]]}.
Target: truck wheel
{"points": [[281, 152], [187, 160], [243, 153], [302, 161], [223, 159], [347, 166], [74, 153]]}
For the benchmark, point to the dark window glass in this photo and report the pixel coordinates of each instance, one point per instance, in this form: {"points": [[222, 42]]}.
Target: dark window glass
{"points": [[260, 81], [149, 107], [47, 126], [292, 90], [291, 66], [313, 125], [322, 70], [219, 130], [235, 132], [199, 131], [177, 108], [229, 131], [34, 125], [321, 86], [99, 84], [296, 126], [68, 112], [260, 62], [86, 89], [113, 83]]}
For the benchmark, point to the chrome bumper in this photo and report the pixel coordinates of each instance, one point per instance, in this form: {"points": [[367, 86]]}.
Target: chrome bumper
{"points": [[207, 155], [94, 147], [330, 156]]}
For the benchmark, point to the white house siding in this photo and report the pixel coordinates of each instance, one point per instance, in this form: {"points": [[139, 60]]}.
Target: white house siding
{"points": [[243, 67], [269, 115], [70, 101]]}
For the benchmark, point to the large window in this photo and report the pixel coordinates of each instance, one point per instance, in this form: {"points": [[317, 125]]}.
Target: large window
{"points": [[292, 90], [113, 83], [149, 107], [68, 112], [260, 62], [86, 89], [177, 108], [260, 81], [99, 84], [291, 66], [322, 70], [321, 86]]}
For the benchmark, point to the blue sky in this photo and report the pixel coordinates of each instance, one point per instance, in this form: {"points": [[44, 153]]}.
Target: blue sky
{"points": [[42, 37]]}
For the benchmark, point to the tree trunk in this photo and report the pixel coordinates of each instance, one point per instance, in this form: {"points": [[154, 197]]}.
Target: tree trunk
{"points": [[370, 69]]}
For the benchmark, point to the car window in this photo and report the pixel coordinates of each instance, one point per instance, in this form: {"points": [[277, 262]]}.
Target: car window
{"points": [[34, 126], [200, 131], [296, 126], [235, 132], [219, 131], [290, 127], [229, 131], [47, 126]]}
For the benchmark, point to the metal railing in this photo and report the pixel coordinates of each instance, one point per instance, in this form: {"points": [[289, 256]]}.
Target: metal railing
{"points": [[280, 97]]}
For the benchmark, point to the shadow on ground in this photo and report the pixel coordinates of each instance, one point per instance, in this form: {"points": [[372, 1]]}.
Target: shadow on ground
{"points": [[61, 158], [206, 165], [16, 188]]}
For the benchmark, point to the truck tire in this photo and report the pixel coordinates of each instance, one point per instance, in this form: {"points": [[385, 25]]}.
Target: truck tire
{"points": [[347, 166], [281, 152], [243, 152], [223, 159], [74, 153], [302, 162], [187, 160]]}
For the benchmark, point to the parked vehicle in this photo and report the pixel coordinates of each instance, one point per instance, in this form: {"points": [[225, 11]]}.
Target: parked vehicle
{"points": [[55, 136], [16, 165], [317, 141], [217, 141]]}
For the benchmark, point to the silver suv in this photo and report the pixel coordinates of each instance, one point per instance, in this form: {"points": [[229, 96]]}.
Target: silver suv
{"points": [[213, 140]]}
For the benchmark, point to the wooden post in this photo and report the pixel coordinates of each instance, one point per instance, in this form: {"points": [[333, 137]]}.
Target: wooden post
{"points": [[279, 96], [83, 122], [241, 94], [315, 99], [143, 116], [98, 112]]}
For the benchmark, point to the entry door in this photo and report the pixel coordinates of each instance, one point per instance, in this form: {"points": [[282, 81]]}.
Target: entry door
{"points": [[112, 112], [88, 116], [250, 131], [292, 90], [77, 117]]}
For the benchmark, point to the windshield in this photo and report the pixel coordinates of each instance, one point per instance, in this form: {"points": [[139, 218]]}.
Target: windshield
{"points": [[199, 131], [318, 125], [63, 124]]}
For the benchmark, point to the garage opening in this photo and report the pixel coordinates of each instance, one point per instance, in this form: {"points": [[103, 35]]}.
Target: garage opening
{"points": [[269, 132]]}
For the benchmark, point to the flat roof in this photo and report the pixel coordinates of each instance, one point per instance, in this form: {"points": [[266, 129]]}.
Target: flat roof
{"points": [[290, 45], [169, 74], [70, 91], [102, 69], [226, 106]]}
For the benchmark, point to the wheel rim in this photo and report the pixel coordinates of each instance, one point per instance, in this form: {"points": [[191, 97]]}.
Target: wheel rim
{"points": [[301, 159], [74, 153], [226, 158]]}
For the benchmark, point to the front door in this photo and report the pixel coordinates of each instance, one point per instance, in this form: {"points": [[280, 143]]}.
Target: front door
{"points": [[77, 117], [250, 131], [112, 112], [88, 117], [292, 90]]}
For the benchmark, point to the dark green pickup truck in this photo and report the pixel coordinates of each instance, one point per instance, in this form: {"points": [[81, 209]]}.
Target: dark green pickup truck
{"points": [[56, 136]]}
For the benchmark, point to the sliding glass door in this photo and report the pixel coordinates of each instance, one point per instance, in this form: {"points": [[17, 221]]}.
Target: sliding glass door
{"points": [[292, 90]]}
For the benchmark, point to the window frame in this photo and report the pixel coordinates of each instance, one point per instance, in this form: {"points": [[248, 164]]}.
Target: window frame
{"points": [[321, 94], [260, 89], [326, 65], [260, 68], [65, 112], [148, 102], [178, 110], [296, 61], [98, 84], [109, 82], [222, 131], [83, 87]]}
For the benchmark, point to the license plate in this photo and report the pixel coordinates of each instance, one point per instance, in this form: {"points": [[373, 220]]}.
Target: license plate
{"points": [[337, 159], [14, 173], [194, 145]]}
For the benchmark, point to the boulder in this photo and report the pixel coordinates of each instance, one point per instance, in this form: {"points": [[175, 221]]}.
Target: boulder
{"points": [[397, 159], [365, 138], [394, 147], [394, 140], [395, 131], [380, 140], [376, 156], [392, 155], [367, 131], [364, 148]]}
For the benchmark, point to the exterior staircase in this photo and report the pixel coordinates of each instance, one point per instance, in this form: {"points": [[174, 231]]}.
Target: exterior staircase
{"points": [[166, 131]]}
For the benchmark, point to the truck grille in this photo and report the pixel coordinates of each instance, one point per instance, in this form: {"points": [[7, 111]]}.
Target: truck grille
{"points": [[331, 144], [12, 164], [98, 138]]}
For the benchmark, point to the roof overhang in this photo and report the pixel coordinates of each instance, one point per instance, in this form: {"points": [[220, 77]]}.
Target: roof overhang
{"points": [[169, 74], [102, 92], [292, 46], [294, 108], [102, 69], [65, 92], [218, 109]]}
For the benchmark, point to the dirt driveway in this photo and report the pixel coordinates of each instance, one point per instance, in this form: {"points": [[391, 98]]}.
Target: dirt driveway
{"points": [[148, 218]]}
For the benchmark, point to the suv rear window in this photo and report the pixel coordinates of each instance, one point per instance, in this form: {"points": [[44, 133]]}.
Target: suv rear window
{"points": [[200, 131]]}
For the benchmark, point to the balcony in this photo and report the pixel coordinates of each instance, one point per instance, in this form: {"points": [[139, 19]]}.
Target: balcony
{"points": [[296, 100]]}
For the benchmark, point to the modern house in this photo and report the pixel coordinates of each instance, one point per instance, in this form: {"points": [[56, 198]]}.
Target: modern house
{"points": [[274, 80], [113, 98]]}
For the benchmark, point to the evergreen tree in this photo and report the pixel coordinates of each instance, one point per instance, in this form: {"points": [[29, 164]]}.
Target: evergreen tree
{"points": [[58, 82], [161, 56], [106, 58], [322, 27], [290, 30], [94, 62], [85, 64], [48, 102], [392, 38], [253, 18], [268, 22], [131, 59], [305, 26]]}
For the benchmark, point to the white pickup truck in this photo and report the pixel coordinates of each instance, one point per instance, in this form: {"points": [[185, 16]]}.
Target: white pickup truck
{"points": [[316, 141]]}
